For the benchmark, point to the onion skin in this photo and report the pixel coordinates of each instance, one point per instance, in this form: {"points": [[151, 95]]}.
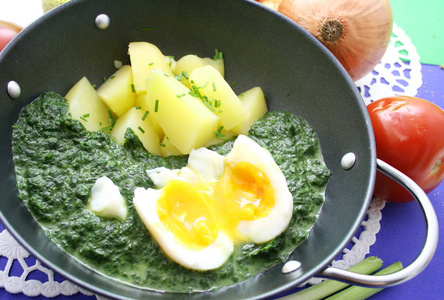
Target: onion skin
{"points": [[365, 35], [273, 4], [10, 25]]}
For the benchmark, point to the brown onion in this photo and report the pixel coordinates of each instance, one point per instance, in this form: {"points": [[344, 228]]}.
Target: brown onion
{"points": [[357, 32]]}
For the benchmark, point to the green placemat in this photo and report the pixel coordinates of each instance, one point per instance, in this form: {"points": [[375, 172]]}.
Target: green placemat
{"points": [[423, 22]]}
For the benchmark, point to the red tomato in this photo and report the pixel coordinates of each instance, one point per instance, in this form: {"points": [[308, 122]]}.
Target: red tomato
{"points": [[409, 135], [6, 34]]}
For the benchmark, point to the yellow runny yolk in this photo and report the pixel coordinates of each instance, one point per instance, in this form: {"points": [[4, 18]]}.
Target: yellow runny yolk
{"points": [[185, 212], [195, 213]]}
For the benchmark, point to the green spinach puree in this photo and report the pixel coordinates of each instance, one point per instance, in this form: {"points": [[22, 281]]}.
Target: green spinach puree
{"points": [[57, 162]]}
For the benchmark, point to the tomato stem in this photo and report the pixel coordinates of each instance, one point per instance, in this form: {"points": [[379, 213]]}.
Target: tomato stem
{"points": [[437, 166]]}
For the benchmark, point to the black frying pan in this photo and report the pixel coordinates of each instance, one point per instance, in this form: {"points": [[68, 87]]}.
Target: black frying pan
{"points": [[261, 48]]}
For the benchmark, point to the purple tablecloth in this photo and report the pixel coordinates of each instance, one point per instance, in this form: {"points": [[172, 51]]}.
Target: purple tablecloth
{"points": [[403, 228]]}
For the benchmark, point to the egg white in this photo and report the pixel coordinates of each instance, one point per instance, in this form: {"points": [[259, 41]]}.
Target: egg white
{"points": [[106, 201], [208, 164], [211, 257], [267, 228], [203, 165]]}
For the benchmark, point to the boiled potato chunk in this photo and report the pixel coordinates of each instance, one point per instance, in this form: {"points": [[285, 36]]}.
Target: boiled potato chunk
{"points": [[137, 120], [117, 92], [225, 103], [142, 102], [146, 57], [168, 149], [86, 106], [254, 101], [185, 120], [189, 63]]}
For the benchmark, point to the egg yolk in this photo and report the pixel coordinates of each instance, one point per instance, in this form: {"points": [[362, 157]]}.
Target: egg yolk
{"points": [[195, 213], [243, 193], [185, 212]]}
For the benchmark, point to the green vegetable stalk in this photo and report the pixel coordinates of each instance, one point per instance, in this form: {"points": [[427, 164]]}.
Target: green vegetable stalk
{"points": [[335, 290], [328, 287], [358, 292]]}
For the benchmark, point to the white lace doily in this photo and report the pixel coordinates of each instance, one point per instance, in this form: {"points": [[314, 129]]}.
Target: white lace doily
{"points": [[399, 72]]}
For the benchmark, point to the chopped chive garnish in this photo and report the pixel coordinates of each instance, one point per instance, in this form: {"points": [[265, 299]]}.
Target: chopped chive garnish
{"points": [[145, 115], [147, 29], [179, 77], [138, 107], [214, 86], [112, 120], [208, 104], [180, 95], [133, 89], [220, 135], [220, 129], [162, 145], [204, 85], [107, 128], [219, 111], [196, 90], [156, 106], [112, 77], [171, 60], [100, 123], [192, 93], [104, 79], [94, 86], [218, 54], [217, 103], [185, 74], [233, 83], [151, 63], [84, 117], [141, 129]]}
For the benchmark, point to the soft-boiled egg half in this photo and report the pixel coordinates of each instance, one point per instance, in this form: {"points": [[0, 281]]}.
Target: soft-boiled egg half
{"points": [[198, 213]]}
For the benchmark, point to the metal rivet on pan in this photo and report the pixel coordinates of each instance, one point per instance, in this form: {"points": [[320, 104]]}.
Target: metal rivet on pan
{"points": [[13, 89], [102, 21], [291, 266], [348, 161]]}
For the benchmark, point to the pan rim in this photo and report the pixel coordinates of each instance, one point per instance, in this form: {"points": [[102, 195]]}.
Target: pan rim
{"points": [[322, 265]]}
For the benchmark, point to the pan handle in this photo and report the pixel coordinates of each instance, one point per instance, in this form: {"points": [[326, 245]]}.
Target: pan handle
{"points": [[421, 261]]}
